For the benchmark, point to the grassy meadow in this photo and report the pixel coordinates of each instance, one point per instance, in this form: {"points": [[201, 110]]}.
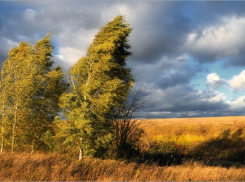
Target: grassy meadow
{"points": [[191, 149], [215, 141]]}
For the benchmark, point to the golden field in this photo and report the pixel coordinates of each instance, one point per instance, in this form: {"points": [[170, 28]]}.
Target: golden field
{"points": [[191, 149], [193, 131], [216, 140]]}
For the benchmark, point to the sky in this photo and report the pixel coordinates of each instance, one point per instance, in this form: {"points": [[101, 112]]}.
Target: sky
{"points": [[188, 56]]}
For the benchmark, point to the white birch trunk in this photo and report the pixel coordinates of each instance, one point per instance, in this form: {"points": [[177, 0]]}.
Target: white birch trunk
{"points": [[14, 128], [80, 151], [80, 154], [2, 140]]}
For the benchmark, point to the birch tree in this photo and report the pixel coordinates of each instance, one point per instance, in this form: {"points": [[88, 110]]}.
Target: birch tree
{"points": [[20, 71], [4, 84], [98, 82], [45, 100], [26, 89]]}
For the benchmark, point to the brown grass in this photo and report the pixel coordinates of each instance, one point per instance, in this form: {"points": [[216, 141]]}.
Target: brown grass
{"points": [[220, 139], [207, 127], [192, 136], [47, 167], [192, 131]]}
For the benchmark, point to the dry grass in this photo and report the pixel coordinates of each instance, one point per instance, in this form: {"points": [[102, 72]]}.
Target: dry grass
{"points": [[221, 138], [192, 131], [205, 127], [46, 167]]}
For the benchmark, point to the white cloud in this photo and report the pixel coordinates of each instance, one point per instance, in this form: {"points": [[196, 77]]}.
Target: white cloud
{"points": [[70, 55], [73, 46], [214, 80], [241, 100], [8, 44], [30, 15], [220, 40], [219, 97], [237, 105], [237, 83], [11, 43]]}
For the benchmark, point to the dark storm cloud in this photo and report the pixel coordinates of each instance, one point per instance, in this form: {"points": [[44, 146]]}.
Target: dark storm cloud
{"points": [[171, 94], [184, 101], [160, 28], [180, 74], [3, 56], [69, 23], [170, 24], [166, 72], [161, 43], [160, 34], [174, 79], [237, 60], [211, 17]]}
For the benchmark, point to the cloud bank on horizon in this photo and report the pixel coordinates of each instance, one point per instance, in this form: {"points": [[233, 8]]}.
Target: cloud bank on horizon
{"points": [[188, 57]]}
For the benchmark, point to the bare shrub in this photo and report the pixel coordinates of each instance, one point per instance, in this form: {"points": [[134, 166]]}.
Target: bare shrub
{"points": [[128, 130]]}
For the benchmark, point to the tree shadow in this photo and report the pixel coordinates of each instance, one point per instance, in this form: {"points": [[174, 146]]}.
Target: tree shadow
{"points": [[163, 154], [226, 150]]}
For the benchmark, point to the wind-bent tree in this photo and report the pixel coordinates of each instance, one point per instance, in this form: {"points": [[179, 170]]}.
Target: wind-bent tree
{"points": [[19, 73], [29, 91], [45, 100], [98, 82]]}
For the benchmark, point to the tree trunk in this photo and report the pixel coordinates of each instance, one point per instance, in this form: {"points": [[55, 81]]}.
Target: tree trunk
{"points": [[32, 149], [14, 129], [2, 139], [80, 150], [80, 154]]}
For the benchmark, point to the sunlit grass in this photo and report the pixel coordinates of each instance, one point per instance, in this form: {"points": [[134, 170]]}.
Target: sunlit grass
{"points": [[47, 167], [186, 139], [191, 130], [217, 138], [205, 147]]}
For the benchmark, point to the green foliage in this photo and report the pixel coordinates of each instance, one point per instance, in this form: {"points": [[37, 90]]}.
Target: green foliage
{"points": [[29, 94], [98, 82]]}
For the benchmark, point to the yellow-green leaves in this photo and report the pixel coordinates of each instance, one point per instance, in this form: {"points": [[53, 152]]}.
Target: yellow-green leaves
{"points": [[99, 82], [102, 76], [29, 93]]}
